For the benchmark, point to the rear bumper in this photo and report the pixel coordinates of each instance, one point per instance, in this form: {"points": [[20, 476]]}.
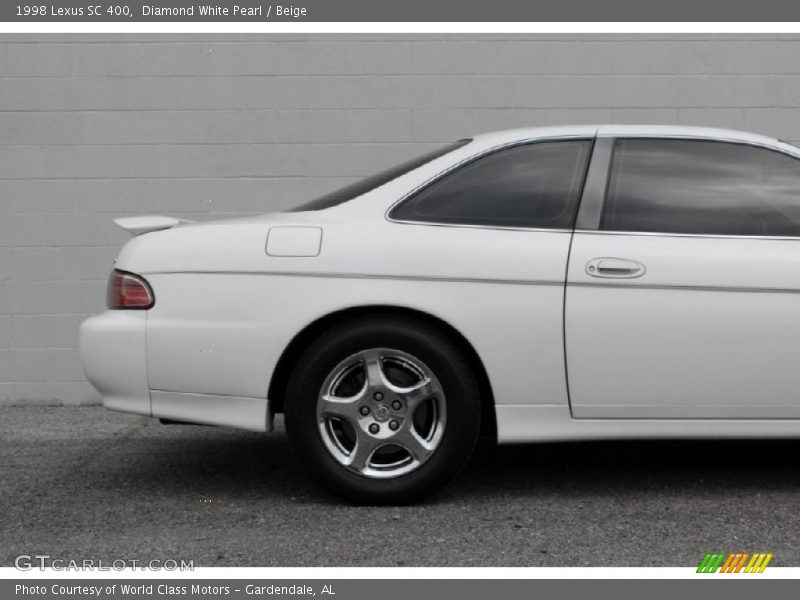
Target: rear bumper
{"points": [[113, 352]]}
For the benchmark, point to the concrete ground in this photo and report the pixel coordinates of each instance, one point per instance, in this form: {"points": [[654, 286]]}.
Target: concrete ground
{"points": [[81, 483]]}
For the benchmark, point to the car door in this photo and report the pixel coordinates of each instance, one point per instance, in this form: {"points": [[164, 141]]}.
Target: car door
{"points": [[683, 286]]}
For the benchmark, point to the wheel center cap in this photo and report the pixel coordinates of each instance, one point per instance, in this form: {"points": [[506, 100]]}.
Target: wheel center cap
{"points": [[381, 413]]}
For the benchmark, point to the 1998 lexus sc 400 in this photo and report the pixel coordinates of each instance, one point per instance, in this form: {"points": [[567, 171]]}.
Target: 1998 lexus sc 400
{"points": [[538, 284]]}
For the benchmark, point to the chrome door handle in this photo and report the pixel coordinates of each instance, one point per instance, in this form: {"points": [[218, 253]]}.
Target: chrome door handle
{"points": [[615, 268]]}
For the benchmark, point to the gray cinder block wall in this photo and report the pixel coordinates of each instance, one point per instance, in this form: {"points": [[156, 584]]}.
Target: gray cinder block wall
{"points": [[208, 126]]}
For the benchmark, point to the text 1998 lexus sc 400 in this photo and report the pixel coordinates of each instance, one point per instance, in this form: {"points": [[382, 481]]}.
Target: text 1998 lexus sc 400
{"points": [[543, 284]]}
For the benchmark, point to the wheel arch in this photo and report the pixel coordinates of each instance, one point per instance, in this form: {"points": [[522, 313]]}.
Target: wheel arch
{"points": [[280, 376]]}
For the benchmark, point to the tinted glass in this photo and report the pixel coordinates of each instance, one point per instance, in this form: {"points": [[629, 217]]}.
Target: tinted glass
{"points": [[362, 186], [702, 187], [532, 185]]}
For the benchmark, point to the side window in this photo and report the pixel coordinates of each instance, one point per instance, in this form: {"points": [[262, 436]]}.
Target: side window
{"points": [[702, 187], [531, 185]]}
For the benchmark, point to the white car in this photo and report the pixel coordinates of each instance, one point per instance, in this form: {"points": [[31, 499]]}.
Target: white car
{"points": [[543, 284]]}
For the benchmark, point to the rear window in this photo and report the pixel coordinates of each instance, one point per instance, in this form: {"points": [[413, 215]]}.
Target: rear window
{"points": [[362, 186]]}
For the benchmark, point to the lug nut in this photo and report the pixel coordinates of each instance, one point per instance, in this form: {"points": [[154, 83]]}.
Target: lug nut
{"points": [[364, 410], [374, 428], [378, 396], [397, 405], [393, 425]]}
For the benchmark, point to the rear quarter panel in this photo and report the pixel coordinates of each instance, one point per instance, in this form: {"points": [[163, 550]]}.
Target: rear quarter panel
{"points": [[225, 310]]}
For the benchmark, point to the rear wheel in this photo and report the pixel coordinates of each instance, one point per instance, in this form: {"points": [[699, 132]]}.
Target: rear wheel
{"points": [[383, 410]]}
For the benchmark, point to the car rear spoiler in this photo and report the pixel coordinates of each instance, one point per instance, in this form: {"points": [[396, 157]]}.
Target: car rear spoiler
{"points": [[145, 224]]}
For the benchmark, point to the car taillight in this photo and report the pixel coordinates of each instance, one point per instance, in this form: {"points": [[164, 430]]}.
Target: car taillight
{"points": [[126, 290]]}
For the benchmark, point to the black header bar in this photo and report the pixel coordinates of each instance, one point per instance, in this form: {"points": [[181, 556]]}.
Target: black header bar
{"points": [[320, 11]]}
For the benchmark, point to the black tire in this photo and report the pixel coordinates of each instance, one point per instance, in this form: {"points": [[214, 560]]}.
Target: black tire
{"points": [[418, 339]]}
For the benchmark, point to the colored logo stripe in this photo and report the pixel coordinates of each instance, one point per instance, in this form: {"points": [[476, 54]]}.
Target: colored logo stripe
{"points": [[758, 563], [737, 563], [728, 561], [711, 563], [734, 562]]}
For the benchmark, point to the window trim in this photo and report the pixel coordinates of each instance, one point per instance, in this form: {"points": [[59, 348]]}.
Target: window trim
{"points": [[691, 235], [592, 226], [482, 154]]}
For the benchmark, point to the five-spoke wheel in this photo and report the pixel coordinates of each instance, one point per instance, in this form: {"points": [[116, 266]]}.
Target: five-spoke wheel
{"points": [[383, 409], [381, 412]]}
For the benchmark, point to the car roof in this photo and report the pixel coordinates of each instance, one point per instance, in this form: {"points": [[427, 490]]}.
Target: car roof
{"points": [[528, 133]]}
